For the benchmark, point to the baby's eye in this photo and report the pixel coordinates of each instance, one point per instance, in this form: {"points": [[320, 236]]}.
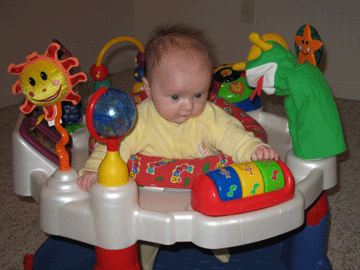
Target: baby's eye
{"points": [[198, 95], [175, 97]]}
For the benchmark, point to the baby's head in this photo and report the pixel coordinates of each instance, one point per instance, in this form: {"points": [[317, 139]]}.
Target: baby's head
{"points": [[178, 71]]}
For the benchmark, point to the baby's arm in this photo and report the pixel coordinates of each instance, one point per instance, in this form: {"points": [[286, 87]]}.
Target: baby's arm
{"points": [[86, 180], [263, 152], [231, 138], [88, 174]]}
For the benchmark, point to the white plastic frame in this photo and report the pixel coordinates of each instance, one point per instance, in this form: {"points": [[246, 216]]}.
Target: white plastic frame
{"points": [[115, 218]]}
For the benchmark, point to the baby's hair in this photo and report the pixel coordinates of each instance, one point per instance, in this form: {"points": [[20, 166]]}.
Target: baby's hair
{"points": [[166, 37]]}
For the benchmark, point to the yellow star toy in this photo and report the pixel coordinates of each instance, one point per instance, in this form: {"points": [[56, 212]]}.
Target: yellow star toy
{"points": [[307, 46]]}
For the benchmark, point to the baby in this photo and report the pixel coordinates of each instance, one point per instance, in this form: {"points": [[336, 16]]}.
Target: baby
{"points": [[177, 121]]}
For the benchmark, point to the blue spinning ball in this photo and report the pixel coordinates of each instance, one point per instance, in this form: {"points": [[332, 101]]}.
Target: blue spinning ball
{"points": [[139, 73], [114, 113]]}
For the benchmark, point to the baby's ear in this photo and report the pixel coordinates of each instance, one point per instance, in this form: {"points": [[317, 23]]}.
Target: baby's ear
{"points": [[146, 86]]}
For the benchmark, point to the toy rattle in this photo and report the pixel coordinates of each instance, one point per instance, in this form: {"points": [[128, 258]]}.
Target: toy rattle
{"points": [[111, 113]]}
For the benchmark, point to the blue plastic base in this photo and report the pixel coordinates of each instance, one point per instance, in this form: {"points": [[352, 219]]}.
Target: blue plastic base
{"points": [[304, 248], [249, 257], [62, 253], [307, 248]]}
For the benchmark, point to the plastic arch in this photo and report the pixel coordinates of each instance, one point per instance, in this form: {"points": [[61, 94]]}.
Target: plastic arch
{"points": [[115, 41]]}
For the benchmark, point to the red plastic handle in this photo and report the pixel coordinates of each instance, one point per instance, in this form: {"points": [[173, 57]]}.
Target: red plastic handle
{"points": [[112, 143]]}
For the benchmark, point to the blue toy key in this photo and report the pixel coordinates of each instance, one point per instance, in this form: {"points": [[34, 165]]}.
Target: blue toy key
{"points": [[227, 183]]}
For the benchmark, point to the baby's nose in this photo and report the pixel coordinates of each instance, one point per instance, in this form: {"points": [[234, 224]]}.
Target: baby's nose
{"points": [[188, 105]]}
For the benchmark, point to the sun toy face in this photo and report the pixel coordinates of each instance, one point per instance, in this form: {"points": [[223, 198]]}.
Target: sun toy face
{"points": [[45, 81]]}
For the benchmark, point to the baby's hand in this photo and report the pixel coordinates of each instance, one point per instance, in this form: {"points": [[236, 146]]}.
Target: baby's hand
{"points": [[263, 152], [86, 180]]}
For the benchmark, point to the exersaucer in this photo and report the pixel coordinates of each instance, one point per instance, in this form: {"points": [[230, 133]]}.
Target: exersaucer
{"points": [[166, 216], [113, 217]]}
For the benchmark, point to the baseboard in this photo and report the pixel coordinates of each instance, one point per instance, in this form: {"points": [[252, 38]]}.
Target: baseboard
{"points": [[114, 68], [339, 89], [117, 67], [7, 99]]}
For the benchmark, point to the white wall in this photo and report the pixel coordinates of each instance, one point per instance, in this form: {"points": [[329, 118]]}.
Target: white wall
{"points": [[83, 26], [337, 21], [220, 19]]}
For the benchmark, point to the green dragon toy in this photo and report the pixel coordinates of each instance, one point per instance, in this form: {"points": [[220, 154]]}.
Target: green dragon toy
{"points": [[314, 121]]}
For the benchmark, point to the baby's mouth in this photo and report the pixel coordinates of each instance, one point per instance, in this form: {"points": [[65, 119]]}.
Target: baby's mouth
{"points": [[50, 98]]}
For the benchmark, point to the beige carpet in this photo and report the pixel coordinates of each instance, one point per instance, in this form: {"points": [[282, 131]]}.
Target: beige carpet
{"points": [[19, 216]]}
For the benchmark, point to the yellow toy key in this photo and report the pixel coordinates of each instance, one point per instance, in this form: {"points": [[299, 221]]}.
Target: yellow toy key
{"points": [[250, 177]]}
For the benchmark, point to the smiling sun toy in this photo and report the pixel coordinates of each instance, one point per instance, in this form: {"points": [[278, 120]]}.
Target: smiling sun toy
{"points": [[45, 81]]}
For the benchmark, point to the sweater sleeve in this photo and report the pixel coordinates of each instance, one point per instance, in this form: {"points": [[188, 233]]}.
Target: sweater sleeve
{"points": [[93, 162], [230, 137], [99, 153]]}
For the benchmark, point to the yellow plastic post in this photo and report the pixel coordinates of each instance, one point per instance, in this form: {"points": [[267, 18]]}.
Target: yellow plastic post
{"points": [[113, 171]]}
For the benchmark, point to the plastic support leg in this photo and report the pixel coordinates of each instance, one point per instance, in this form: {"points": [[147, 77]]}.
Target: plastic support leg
{"points": [[123, 259], [28, 262], [307, 248]]}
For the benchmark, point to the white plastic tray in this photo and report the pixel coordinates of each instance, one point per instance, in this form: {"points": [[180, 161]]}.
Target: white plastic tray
{"points": [[115, 218]]}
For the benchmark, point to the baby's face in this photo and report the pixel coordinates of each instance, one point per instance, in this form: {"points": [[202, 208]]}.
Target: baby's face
{"points": [[180, 85]]}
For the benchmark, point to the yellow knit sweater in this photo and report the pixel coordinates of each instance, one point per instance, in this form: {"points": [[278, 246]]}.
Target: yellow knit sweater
{"points": [[212, 131]]}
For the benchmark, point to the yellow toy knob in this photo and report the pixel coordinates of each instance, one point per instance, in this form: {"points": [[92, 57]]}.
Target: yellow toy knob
{"points": [[252, 182], [113, 171]]}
